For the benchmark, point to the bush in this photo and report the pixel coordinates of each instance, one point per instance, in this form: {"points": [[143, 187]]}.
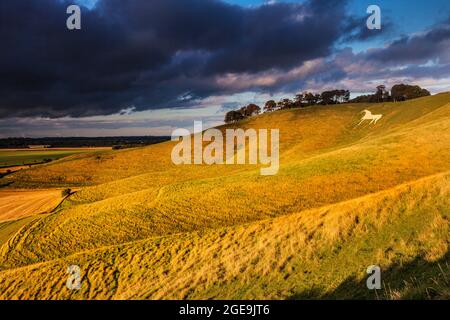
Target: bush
{"points": [[66, 192]]}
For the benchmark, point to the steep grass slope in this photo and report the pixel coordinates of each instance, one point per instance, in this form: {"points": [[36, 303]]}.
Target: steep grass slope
{"points": [[326, 161], [312, 254], [303, 132]]}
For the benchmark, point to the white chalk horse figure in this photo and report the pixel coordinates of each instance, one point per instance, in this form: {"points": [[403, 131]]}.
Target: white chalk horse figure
{"points": [[369, 116]]}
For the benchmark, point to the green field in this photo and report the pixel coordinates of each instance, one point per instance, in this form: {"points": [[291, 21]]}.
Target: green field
{"points": [[29, 156]]}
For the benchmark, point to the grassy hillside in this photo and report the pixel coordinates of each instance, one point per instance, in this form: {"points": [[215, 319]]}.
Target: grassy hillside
{"points": [[304, 132], [312, 254], [345, 197]]}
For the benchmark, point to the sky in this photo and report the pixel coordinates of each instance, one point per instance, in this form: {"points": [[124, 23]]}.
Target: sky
{"points": [[148, 67]]}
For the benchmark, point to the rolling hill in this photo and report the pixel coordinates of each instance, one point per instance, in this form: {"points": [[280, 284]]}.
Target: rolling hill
{"points": [[345, 197]]}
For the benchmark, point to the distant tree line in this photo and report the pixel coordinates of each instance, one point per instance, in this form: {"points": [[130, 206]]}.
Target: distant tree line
{"points": [[399, 92], [300, 100], [77, 142]]}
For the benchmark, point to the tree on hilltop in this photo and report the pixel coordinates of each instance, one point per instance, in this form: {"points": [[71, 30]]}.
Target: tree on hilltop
{"points": [[250, 110], [285, 104], [299, 100], [233, 116], [399, 92], [270, 105], [311, 99], [402, 92]]}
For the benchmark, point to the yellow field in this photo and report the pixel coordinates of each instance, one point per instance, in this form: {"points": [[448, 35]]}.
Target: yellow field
{"points": [[345, 197], [16, 204]]}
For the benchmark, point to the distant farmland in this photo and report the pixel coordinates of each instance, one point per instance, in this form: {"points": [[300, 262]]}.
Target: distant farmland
{"points": [[20, 157]]}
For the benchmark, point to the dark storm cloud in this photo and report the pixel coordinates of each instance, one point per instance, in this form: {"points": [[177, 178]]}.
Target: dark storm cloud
{"points": [[433, 44], [355, 29], [148, 54], [138, 55]]}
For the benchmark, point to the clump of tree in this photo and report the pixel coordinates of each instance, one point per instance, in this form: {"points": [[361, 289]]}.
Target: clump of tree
{"points": [[233, 116], [307, 99], [399, 92], [300, 100], [381, 94], [285, 104], [334, 97], [250, 110], [244, 112], [270, 106], [402, 92]]}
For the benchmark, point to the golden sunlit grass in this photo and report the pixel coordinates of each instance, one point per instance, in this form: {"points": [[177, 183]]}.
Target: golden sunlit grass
{"points": [[308, 254], [15, 204], [228, 232], [10, 228]]}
